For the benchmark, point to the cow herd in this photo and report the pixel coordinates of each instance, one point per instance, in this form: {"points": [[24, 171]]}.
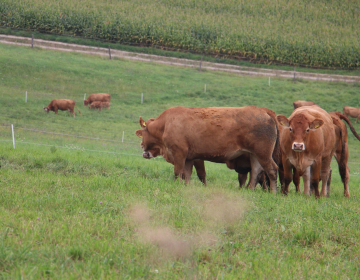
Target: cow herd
{"points": [[256, 140], [95, 101]]}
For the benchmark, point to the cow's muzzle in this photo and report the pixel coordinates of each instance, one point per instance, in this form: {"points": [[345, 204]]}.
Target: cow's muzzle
{"points": [[298, 147], [147, 155]]}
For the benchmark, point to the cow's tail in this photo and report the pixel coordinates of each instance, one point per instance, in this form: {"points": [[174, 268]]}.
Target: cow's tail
{"points": [[78, 109], [342, 163], [345, 118], [276, 152]]}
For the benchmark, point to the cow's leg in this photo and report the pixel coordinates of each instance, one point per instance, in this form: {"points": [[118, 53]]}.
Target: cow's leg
{"points": [[328, 184], [262, 181], [306, 180], [179, 162], [200, 170], [242, 179], [296, 180], [271, 170], [288, 175], [188, 168], [324, 174], [56, 110], [342, 158], [314, 177], [256, 168], [72, 112]]}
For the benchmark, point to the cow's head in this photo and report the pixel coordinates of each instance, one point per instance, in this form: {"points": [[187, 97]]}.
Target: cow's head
{"points": [[299, 128], [46, 109], [86, 102], [149, 144]]}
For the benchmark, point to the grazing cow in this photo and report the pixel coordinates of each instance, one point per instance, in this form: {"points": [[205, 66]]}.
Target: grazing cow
{"points": [[99, 105], [342, 149], [352, 112], [182, 135], [307, 142], [103, 97], [300, 103], [63, 105]]}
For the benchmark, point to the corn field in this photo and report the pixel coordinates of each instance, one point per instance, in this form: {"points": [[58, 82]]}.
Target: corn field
{"points": [[313, 33]]}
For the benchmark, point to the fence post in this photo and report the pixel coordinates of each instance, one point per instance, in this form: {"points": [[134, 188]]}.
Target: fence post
{"points": [[26, 97], [32, 40], [142, 98], [200, 64], [123, 136], [109, 52], [13, 135]]}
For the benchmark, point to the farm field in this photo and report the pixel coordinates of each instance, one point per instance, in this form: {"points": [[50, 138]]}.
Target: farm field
{"points": [[91, 207], [312, 33]]}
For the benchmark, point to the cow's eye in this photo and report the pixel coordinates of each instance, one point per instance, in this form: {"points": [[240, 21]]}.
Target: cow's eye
{"points": [[307, 131], [290, 129]]}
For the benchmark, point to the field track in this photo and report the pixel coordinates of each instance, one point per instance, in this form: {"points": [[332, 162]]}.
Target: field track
{"points": [[240, 70]]}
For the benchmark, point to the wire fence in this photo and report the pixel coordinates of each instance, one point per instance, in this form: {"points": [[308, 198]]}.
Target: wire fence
{"points": [[82, 149]]}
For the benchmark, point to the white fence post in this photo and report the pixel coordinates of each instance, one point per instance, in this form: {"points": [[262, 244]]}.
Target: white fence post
{"points": [[26, 97], [123, 136], [142, 98], [13, 135]]}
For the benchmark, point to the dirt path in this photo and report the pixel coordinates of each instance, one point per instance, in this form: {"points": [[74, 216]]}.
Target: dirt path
{"points": [[241, 70]]}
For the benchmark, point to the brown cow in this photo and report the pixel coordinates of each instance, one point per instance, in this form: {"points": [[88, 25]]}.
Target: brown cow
{"points": [[307, 144], [99, 105], [301, 103], [63, 105], [103, 97], [352, 112], [216, 134]]}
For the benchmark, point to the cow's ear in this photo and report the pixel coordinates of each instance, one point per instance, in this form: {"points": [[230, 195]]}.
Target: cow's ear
{"points": [[142, 122], [139, 133], [283, 120], [315, 124]]}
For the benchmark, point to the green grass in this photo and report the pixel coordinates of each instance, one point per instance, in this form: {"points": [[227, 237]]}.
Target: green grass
{"points": [[67, 206], [312, 33]]}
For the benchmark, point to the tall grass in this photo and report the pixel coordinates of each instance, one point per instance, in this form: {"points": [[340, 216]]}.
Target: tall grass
{"points": [[301, 32]]}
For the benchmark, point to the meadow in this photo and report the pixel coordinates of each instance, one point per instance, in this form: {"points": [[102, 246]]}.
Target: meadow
{"points": [[91, 208], [313, 33]]}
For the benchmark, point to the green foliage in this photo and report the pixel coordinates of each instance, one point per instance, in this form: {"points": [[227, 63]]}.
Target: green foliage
{"points": [[66, 212], [314, 33]]}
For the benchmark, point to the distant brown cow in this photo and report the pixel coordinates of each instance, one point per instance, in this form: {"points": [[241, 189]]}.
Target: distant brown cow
{"points": [[301, 103], [63, 105], [103, 97], [216, 134], [352, 112], [99, 105], [307, 144]]}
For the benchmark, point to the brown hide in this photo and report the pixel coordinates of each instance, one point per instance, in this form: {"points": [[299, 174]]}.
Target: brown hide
{"points": [[215, 134], [63, 105], [307, 141], [352, 112], [300, 103], [99, 105], [102, 97]]}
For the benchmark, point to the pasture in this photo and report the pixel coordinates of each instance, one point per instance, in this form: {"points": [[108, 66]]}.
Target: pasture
{"points": [[90, 207]]}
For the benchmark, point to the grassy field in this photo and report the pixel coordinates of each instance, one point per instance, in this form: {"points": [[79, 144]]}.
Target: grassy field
{"points": [[315, 33], [82, 208]]}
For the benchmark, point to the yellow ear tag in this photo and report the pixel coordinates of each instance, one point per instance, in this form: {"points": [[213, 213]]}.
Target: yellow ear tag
{"points": [[140, 136], [282, 123], [144, 124], [316, 126]]}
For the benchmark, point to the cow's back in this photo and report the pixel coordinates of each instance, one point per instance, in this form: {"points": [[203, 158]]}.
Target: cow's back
{"points": [[218, 131], [102, 97]]}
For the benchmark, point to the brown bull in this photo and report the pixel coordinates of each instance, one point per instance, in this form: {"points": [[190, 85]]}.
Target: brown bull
{"points": [[215, 134], [102, 97], [352, 112], [301, 103], [99, 105], [62, 105], [307, 142]]}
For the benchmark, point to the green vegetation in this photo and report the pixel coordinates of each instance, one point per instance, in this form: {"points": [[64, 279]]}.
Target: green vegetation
{"points": [[79, 208], [312, 33]]}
